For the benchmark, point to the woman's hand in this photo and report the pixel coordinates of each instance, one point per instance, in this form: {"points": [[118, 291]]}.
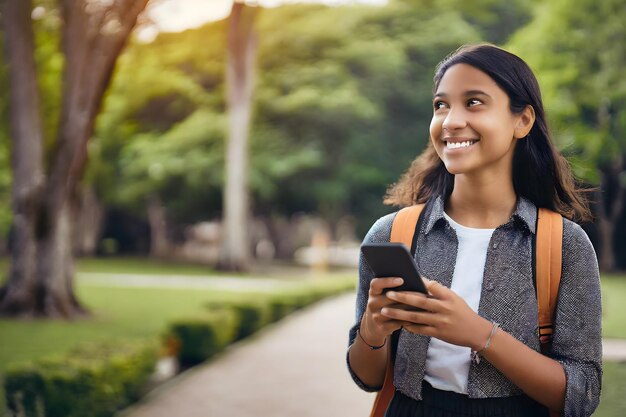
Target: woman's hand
{"points": [[443, 315], [375, 327]]}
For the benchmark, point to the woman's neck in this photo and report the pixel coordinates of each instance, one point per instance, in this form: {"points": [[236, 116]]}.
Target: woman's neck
{"points": [[485, 203]]}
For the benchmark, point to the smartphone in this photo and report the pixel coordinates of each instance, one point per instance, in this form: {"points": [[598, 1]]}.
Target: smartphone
{"points": [[393, 260]]}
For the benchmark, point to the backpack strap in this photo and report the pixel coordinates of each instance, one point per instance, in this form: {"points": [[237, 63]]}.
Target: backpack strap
{"points": [[548, 256], [548, 251], [402, 231]]}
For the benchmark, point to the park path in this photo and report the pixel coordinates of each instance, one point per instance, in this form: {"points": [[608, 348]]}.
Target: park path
{"points": [[295, 367], [229, 283]]}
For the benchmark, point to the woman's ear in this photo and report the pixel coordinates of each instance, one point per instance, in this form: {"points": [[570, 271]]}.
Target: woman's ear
{"points": [[525, 122]]}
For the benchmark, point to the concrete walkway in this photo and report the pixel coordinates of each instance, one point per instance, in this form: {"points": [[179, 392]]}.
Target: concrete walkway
{"points": [[293, 368]]}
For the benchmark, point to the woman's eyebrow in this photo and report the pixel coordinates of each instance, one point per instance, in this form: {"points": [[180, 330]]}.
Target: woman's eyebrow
{"points": [[465, 94]]}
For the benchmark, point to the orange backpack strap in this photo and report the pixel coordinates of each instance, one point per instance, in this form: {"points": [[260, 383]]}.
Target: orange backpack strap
{"points": [[548, 270], [402, 231], [548, 255]]}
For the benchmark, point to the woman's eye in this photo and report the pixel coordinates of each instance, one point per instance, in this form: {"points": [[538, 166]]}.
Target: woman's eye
{"points": [[438, 105], [473, 102]]}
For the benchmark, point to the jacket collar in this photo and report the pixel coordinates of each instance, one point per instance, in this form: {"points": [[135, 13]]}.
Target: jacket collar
{"points": [[525, 211]]}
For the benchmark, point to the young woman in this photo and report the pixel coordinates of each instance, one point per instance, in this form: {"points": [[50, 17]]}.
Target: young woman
{"points": [[489, 165]]}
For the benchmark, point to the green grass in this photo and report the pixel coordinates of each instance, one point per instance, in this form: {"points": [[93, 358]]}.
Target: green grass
{"points": [[614, 306], [118, 312], [141, 266], [613, 400], [135, 265]]}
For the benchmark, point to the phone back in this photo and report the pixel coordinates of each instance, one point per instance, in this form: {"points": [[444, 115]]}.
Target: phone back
{"points": [[393, 260]]}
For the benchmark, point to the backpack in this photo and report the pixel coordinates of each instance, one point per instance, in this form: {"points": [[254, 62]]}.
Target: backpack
{"points": [[548, 247]]}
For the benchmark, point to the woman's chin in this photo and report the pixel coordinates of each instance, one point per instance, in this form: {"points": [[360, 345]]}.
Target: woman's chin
{"points": [[454, 169]]}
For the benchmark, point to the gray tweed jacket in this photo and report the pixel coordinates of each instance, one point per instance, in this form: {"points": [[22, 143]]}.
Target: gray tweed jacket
{"points": [[507, 297]]}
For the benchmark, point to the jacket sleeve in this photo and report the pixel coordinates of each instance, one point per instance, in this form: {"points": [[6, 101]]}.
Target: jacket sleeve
{"points": [[380, 232], [577, 339]]}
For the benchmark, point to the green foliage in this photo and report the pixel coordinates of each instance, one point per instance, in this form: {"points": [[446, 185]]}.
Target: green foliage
{"points": [[202, 336], [281, 305], [358, 92], [95, 380], [5, 163], [576, 49], [252, 314], [184, 162], [335, 103], [342, 105]]}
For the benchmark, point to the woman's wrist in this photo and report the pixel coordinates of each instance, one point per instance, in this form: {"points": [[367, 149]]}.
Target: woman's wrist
{"points": [[481, 334], [372, 346], [477, 353], [368, 337]]}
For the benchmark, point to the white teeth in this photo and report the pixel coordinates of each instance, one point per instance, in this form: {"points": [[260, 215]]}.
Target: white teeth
{"points": [[453, 145]]}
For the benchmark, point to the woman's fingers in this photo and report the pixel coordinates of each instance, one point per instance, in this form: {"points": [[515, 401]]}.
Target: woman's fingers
{"points": [[414, 299], [378, 285], [421, 329], [373, 322], [411, 316]]}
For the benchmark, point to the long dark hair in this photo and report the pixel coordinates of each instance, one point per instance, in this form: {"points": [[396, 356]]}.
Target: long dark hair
{"points": [[540, 173]]}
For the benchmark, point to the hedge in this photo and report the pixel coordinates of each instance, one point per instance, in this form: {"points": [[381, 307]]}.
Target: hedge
{"points": [[91, 381], [252, 313], [200, 337]]}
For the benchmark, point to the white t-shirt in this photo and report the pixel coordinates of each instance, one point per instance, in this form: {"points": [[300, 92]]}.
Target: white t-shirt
{"points": [[447, 365]]}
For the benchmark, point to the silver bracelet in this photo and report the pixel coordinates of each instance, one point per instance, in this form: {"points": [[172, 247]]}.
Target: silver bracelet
{"points": [[475, 355]]}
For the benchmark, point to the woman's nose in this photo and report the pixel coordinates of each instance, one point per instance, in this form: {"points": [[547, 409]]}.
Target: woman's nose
{"points": [[455, 119]]}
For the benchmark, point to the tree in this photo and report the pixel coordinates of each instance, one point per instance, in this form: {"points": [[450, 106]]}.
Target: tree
{"points": [[93, 35], [240, 71], [357, 92], [576, 49], [340, 110]]}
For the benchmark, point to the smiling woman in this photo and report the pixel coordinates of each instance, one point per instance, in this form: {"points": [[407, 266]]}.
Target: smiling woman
{"points": [[470, 106], [473, 346]]}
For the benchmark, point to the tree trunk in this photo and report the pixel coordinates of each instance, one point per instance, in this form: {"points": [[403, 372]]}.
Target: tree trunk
{"points": [[281, 232], [55, 270], [88, 224], [42, 268], [17, 297], [159, 243], [242, 43], [611, 204]]}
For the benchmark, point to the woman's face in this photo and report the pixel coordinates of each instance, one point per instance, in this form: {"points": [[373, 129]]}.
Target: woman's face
{"points": [[473, 129]]}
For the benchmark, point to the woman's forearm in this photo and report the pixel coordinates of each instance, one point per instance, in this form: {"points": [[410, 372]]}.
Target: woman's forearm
{"points": [[539, 376]]}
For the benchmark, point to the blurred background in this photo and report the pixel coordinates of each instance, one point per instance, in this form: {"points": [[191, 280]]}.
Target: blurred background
{"points": [[143, 141]]}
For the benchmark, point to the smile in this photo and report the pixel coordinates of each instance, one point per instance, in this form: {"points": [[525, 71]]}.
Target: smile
{"points": [[457, 145]]}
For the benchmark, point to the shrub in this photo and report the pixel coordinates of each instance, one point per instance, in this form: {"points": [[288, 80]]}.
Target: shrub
{"points": [[200, 337], [91, 381], [281, 305], [252, 313]]}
